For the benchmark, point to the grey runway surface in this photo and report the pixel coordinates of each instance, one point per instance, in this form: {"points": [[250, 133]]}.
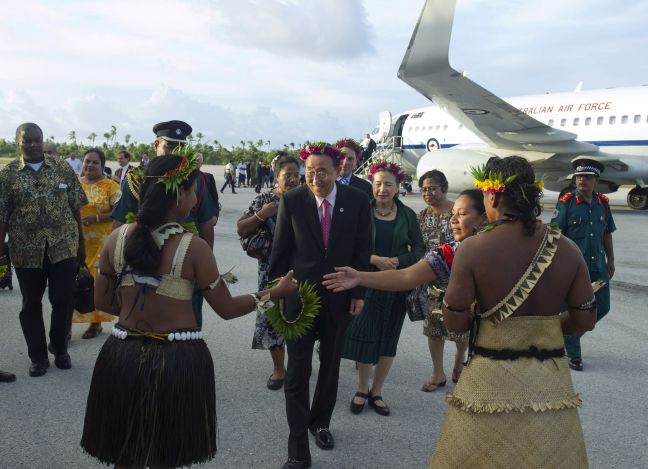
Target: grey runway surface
{"points": [[41, 419]]}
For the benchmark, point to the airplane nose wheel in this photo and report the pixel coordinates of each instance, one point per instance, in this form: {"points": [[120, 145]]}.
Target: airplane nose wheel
{"points": [[638, 198]]}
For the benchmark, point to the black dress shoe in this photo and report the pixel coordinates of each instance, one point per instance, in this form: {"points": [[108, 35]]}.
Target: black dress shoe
{"points": [[38, 368], [382, 410], [274, 384], [296, 464], [63, 361], [357, 408], [576, 364], [6, 377], [323, 437]]}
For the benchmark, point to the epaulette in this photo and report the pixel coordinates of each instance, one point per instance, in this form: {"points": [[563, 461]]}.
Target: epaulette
{"points": [[603, 198], [566, 198]]}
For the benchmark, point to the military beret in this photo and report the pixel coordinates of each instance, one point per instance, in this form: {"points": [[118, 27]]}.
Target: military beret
{"points": [[584, 166], [172, 131]]}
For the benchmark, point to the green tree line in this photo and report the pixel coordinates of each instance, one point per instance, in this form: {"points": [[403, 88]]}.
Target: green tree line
{"points": [[213, 152]]}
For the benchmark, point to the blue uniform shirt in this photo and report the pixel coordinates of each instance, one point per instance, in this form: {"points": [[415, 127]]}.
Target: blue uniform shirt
{"points": [[586, 224]]}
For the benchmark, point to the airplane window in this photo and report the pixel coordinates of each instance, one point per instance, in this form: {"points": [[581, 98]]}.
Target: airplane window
{"points": [[599, 120], [624, 119], [438, 127], [563, 122], [416, 129], [612, 120], [550, 123], [445, 127], [588, 121], [460, 126], [576, 121], [637, 119]]}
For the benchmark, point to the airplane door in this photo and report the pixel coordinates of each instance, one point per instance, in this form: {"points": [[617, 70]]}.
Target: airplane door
{"points": [[384, 126], [398, 130]]}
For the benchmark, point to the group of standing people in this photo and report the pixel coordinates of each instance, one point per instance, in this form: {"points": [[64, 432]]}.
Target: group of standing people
{"points": [[154, 271]]}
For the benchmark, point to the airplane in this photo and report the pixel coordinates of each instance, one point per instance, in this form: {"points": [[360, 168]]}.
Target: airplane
{"points": [[468, 124]]}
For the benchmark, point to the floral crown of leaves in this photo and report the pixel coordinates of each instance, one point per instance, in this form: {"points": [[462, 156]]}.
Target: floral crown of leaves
{"points": [[320, 148], [496, 182], [173, 178], [386, 166], [349, 143]]}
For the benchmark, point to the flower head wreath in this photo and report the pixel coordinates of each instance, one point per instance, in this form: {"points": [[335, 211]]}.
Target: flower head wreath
{"points": [[349, 143], [173, 178], [495, 182], [320, 148], [386, 166]]}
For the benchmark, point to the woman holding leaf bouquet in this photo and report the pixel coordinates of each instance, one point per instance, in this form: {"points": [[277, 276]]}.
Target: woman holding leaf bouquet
{"points": [[152, 395], [261, 216]]}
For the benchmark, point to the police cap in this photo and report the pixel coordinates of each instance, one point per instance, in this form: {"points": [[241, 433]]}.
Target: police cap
{"points": [[585, 166], [172, 131]]}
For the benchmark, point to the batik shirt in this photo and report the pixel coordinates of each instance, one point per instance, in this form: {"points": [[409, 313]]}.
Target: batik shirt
{"points": [[435, 228], [39, 207]]}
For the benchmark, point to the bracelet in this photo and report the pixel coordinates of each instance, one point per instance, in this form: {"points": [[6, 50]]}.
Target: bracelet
{"points": [[256, 214], [262, 304]]}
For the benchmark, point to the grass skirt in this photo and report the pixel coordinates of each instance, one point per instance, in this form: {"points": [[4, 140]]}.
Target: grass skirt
{"points": [[151, 402]]}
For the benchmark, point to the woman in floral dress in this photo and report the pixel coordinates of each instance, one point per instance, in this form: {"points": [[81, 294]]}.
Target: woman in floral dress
{"points": [[263, 213]]}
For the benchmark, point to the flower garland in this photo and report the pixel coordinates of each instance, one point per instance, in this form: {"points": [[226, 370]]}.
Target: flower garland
{"points": [[173, 178], [300, 326], [386, 166], [320, 148], [495, 182], [3, 271], [349, 143]]}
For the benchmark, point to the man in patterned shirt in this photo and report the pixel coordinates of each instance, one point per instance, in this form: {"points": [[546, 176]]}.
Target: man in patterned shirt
{"points": [[40, 198]]}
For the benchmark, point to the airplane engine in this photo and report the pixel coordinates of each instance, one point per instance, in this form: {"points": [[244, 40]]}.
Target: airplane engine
{"points": [[455, 163]]}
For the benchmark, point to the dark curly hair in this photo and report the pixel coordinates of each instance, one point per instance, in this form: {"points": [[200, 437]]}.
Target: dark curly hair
{"points": [[100, 154], [141, 253], [437, 176], [521, 197]]}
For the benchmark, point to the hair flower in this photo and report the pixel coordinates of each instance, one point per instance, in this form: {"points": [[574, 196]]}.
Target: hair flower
{"points": [[386, 166], [320, 148]]}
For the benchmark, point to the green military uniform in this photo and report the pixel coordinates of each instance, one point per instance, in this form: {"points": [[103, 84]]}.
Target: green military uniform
{"points": [[586, 225]]}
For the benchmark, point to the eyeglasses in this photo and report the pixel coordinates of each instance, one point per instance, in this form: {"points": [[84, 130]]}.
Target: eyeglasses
{"points": [[320, 173]]}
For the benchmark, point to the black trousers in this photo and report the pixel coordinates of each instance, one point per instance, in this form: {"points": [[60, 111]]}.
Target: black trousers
{"points": [[300, 414], [228, 180], [60, 278]]}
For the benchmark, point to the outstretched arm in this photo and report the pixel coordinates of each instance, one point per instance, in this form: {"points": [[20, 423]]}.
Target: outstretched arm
{"points": [[346, 278]]}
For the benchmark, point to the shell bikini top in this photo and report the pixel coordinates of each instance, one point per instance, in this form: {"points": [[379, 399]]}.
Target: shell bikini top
{"points": [[171, 284]]}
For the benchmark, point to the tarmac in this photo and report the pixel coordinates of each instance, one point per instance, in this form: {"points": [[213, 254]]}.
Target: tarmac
{"points": [[41, 419]]}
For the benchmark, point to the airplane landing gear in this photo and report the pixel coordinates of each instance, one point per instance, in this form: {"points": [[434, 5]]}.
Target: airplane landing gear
{"points": [[638, 198]]}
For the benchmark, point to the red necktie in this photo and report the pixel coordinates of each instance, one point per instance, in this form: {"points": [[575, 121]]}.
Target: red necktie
{"points": [[326, 221]]}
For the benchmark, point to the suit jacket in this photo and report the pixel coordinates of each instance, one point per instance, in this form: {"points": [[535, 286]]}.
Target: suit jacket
{"points": [[361, 184], [298, 243]]}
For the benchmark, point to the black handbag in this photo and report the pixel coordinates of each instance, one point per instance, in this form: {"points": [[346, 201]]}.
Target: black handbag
{"points": [[258, 244], [83, 290], [416, 303]]}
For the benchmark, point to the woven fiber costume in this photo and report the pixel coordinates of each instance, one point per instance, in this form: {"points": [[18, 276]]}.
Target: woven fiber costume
{"points": [[152, 399], [515, 405]]}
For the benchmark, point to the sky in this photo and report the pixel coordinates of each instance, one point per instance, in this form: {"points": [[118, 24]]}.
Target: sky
{"points": [[287, 70]]}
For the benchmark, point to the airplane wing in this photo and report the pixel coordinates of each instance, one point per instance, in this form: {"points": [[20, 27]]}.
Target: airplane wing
{"points": [[426, 68]]}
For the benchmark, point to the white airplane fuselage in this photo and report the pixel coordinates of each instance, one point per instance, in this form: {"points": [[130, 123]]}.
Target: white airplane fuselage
{"points": [[615, 120]]}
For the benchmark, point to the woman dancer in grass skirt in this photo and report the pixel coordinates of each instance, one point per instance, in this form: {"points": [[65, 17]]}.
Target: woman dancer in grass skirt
{"points": [[152, 397]]}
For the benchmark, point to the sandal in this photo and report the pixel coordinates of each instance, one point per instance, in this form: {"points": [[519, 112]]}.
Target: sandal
{"points": [[92, 332], [456, 373], [357, 408], [431, 387], [380, 409]]}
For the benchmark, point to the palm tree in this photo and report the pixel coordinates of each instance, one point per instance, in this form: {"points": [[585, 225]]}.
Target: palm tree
{"points": [[217, 143], [106, 135], [292, 145], [127, 138], [92, 137], [199, 136], [113, 134], [72, 137], [242, 143], [260, 142]]}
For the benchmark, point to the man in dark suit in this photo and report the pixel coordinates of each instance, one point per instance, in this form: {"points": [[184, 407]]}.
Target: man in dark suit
{"points": [[320, 225], [351, 150]]}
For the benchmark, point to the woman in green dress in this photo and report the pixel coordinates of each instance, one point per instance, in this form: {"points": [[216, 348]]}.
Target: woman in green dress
{"points": [[373, 336]]}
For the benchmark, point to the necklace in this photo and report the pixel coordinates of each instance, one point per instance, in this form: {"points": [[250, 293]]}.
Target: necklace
{"points": [[508, 218], [385, 214]]}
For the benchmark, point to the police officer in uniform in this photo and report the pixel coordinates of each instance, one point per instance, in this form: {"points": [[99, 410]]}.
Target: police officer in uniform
{"points": [[584, 216], [168, 135]]}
